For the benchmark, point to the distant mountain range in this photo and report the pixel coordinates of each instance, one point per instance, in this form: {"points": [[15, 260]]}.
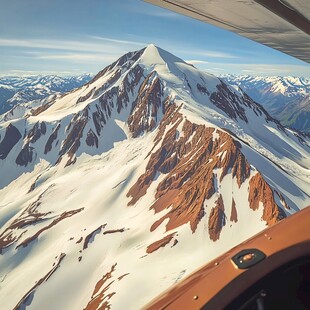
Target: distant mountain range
{"points": [[15, 90], [117, 190], [285, 98]]}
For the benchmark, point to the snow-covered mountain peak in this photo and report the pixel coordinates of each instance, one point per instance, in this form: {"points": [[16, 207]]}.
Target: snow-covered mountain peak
{"points": [[114, 183], [153, 55]]}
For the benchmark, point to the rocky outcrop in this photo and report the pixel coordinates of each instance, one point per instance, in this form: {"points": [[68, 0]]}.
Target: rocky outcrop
{"points": [[100, 298], [92, 139], [51, 139], [233, 214], [104, 109], [30, 216], [127, 87], [125, 62], [38, 130], [56, 220], [217, 219], [226, 99], [33, 185], [160, 243], [40, 109], [202, 89], [87, 96], [113, 231], [11, 137], [140, 187], [116, 96], [27, 153], [188, 159], [90, 237], [25, 156], [261, 192], [72, 142], [229, 102], [27, 298], [147, 106]]}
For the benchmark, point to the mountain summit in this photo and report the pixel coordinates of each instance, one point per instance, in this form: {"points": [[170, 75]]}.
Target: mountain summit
{"points": [[117, 190]]}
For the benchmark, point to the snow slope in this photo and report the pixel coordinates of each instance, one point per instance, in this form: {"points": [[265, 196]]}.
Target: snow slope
{"points": [[114, 192]]}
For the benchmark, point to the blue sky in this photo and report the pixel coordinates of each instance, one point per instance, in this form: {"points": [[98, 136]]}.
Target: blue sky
{"points": [[75, 36]]}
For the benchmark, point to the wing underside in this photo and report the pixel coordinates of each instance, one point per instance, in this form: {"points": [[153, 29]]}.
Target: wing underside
{"points": [[280, 24]]}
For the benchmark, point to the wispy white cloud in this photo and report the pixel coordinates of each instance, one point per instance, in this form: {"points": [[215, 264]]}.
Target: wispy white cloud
{"points": [[78, 58], [40, 72], [118, 41], [197, 62], [213, 54], [90, 51], [93, 44]]}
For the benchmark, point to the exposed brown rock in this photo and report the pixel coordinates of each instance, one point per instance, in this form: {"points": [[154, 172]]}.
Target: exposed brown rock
{"points": [[233, 104], [91, 139], [80, 240], [203, 89], [139, 189], [99, 75], [33, 185], [87, 96], [160, 243], [188, 163], [144, 114], [128, 58], [260, 191], [25, 156], [130, 81], [100, 298], [38, 130], [112, 79], [92, 235], [27, 298], [233, 214], [175, 242], [229, 102], [7, 238], [104, 109], [123, 276], [41, 109], [113, 231], [51, 139], [72, 142], [217, 219], [11, 137], [58, 219]]}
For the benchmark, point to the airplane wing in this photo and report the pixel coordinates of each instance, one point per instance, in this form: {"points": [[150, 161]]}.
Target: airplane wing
{"points": [[281, 24]]}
